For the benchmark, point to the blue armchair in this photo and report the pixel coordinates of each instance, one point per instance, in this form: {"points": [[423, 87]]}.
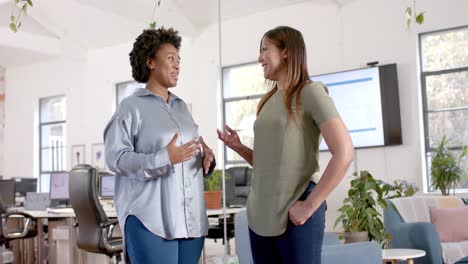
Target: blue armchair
{"points": [[333, 251], [417, 231], [420, 235]]}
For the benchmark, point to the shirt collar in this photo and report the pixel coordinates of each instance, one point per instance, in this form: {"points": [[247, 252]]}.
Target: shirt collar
{"points": [[146, 92]]}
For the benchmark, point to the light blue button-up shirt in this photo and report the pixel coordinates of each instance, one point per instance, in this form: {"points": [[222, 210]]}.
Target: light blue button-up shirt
{"points": [[167, 199]]}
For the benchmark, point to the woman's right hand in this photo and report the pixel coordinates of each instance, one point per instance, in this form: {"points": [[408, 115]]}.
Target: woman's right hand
{"points": [[184, 152], [230, 138]]}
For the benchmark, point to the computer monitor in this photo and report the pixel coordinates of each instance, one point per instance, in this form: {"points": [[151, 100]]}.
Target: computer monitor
{"points": [[7, 192], [25, 185], [106, 185], [59, 186]]}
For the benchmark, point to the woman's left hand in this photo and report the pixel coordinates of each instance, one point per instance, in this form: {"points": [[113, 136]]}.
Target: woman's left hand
{"points": [[300, 212], [208, 157]]}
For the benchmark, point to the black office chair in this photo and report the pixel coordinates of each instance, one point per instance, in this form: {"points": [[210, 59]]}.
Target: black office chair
{"points": [[7, 234], [216, 230], [94, 227], [28, 227], [238, 185]]}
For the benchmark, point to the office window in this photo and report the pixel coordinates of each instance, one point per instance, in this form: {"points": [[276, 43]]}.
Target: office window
{"points": [[444, 83], [243, 87], [125, 89], [52, 138]]}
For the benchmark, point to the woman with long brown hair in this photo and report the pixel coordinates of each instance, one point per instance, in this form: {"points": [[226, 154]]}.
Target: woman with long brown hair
{"points": [[286, 205]]}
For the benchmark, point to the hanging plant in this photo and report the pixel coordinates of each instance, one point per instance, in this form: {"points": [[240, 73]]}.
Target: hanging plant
{"points": [[20, 9], [412, 14], [152, 24]]}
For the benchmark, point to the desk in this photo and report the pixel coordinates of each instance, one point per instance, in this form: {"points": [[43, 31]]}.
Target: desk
{"points": [[69, 215], [56, 213], [219, 212], [396, 254]]}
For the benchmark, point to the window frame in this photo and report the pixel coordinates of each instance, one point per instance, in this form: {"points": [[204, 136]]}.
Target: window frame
{"points": [[228, 163], [425, 111], [41, 125]]}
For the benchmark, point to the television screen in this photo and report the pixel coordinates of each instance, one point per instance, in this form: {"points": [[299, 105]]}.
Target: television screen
{"points": [[367, 100]]}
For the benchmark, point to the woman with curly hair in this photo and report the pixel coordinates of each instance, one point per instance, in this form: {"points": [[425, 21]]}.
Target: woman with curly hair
{"points": [[286, 205], [153, 147]]}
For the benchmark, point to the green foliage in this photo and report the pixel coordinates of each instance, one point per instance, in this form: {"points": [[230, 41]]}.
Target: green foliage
{"points": [[152, 24], [400, 188], [360, 209], [410, 15], [20, 7], [213, 182], [446, 170]]}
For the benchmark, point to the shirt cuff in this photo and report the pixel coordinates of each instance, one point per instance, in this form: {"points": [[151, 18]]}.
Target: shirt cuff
{"points": [[211, 169], [162, 165]]}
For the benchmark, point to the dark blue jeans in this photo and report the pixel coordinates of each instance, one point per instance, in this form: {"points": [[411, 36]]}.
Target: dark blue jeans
{"points": [[297, 245], [145, 247]]}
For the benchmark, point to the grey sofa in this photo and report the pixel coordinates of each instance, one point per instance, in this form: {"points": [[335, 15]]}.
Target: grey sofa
{"points": [[333, 251]]}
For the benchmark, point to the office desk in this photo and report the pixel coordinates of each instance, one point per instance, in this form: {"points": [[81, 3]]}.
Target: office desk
{"points": [[56, 213], [69, 215]]}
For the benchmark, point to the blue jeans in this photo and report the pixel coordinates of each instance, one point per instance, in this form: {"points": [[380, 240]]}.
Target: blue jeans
{"points": [[145, 247], [297, 245]]}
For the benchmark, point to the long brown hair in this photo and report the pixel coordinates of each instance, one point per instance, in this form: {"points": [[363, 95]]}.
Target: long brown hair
{"points": [[288, 38]]}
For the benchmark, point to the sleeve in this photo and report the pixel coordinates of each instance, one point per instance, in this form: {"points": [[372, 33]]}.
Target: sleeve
{"points": [[317, 103], [121, 157], [211, 169]]}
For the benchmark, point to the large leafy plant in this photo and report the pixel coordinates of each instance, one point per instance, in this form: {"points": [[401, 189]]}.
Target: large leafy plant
{"points": [[360, 210], [446, 170]]}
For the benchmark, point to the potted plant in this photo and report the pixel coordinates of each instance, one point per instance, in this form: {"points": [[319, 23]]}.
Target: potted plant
{"points": [[360, 215], [213, 190], [446, 170]]}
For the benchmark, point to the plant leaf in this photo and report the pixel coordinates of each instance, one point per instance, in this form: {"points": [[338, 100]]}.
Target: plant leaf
{"points": [[152, 25], [12, 19], [30, 2], [420, 18], [13, 27], [408, 12], [25, 9]]}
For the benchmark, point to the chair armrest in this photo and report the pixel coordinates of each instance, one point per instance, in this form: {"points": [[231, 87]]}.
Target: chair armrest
{"points": [[23, 214], [28, 225], [109, 222], [353, 253], [420, 235]]}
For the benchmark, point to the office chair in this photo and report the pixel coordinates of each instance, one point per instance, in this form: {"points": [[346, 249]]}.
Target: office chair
{"points": [[7, 234], [216, 230], [238, 185], [94, 227]]}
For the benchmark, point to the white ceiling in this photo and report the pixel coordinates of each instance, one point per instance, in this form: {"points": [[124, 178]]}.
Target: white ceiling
{"points": [[72, 27]]}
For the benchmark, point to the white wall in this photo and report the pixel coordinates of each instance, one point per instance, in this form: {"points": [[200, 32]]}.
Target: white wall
{"points": [[340, 38]]}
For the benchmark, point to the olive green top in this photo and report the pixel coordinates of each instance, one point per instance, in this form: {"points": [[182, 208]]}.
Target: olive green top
{"points": [[285, 157]]}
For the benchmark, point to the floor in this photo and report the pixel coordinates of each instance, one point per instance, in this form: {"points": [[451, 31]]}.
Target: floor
{"points": [[214, 252]]}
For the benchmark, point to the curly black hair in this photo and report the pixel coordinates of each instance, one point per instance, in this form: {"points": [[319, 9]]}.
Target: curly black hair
{"points": [[146, 46]]}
